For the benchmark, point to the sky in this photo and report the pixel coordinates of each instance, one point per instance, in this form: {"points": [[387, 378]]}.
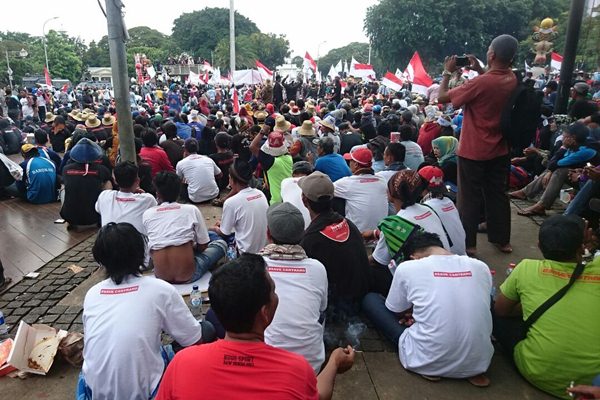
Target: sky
{"points": [[306, 23]]}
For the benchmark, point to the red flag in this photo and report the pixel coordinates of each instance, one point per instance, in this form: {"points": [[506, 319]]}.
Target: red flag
{"points": [[415, 72], [363, 71], [265, 72], [149, 100], [236, 101], [64, 88], [47, 75], [309, 62], [206, 78], [556, 61], [392, 81]]}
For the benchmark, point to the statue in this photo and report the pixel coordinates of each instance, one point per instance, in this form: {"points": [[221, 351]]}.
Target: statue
{"points": [[543, 36]]}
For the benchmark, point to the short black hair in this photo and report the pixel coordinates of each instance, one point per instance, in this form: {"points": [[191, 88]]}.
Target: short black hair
{"points": [[126, 173], [505, 47], [191, 145], [420, 240], [561, 236], [397, 150], [41, 137], [238, 290], [138, 130], [406, 132], [319, 207], [121, 250], [326, 144], [149, 138], [168, 185], [579, 131], [169, 129]]}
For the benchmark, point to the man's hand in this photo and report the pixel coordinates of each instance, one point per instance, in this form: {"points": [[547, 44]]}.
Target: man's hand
{"points": [[343, 358], [592, 173], [407, 320], [546, 178], [574, 174], [475, 66], [585, 392], [450, 64], [530, 151], [310, 157]]}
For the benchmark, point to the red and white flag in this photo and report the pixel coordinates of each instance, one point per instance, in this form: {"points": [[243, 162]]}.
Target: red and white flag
{"points": [[309, 62], [364, 71], [47, 76], [64, 88], [556, 61], [207, 65], [265, 72], [415, 73], [149, 100], [236, 101], [392, 81]]}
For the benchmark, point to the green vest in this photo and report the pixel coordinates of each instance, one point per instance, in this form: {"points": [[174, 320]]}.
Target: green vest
{"points": [[281, 169]]}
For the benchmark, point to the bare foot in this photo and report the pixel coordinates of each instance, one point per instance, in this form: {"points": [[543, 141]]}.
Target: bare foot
{"points": [[519, 194], [479, 380]]}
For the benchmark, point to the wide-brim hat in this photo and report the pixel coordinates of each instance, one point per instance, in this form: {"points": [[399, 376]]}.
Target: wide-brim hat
{"points": [[77, 116], [92, 121], [275, 144], [108, 120], [85, 152], [327, 124], [307, 129], [261, 115], [281, 124], [49, 117]]}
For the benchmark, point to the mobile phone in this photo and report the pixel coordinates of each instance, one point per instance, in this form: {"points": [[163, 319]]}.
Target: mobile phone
{"points": [[59, 221], [462, 61]]}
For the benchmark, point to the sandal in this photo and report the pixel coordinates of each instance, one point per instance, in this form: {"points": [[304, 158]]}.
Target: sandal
{"points": [[5, 284], [431, 378], [479, 381], [504, 248], [517, 195], [531, 213]]}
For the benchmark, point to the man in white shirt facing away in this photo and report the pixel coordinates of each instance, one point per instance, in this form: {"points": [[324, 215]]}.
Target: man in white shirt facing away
{"points": [[291, 192], [199, 172]]}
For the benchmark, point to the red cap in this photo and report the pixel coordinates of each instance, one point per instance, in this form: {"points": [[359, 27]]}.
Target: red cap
{"points": [[362, 155], [270, 108], [433, 175], [275, 139]]}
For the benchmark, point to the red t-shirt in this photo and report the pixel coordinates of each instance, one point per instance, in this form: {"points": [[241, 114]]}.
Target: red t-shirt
{"points": [[428, 132], [483, 99], [238, 370], [157, 158]]}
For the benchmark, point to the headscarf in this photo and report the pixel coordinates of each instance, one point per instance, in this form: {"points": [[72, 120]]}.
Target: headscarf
{"points": [[447, 146], [407, 186]]}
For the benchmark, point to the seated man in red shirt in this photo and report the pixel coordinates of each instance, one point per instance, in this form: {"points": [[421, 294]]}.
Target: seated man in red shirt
{"points": [[242, 366], [153, 154]]}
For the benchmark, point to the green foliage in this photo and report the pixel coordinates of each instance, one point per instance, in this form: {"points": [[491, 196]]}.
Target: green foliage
{"points": [[199, 32], [64, 56], [270, 49], [298, 61], [360, 51], [437, 28], [245, 53]]}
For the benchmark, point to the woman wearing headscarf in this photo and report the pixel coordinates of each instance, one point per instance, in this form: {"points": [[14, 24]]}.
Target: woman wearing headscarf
{"points": [[444, 149]]}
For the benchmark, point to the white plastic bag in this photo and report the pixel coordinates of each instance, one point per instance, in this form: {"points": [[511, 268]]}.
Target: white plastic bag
{"points": [[15, 169]]}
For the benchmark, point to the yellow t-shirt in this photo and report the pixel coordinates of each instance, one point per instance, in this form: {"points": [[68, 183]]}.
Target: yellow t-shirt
{"points": [[563, 345]]}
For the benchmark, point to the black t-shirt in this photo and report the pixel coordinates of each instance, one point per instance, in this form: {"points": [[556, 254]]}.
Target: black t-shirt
{"points": [[82, 188], [58, 140], [349, 140], [582, 108], [12, 103], [223, 161]]}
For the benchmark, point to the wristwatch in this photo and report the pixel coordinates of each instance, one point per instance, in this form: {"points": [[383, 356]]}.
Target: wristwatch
{"points": [[446, 73]]}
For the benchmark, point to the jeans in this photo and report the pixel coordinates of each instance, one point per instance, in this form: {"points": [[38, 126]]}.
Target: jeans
{"points": [[551, 191], [580, 202], [385, 321], [204, 260]]}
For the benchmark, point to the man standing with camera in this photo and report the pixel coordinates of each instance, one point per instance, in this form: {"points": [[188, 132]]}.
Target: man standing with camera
{"points": [[483, 153]]}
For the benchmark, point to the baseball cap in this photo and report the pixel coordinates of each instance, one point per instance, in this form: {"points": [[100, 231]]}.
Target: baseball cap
{"points": [[26, 148], [286, 223], [316, 186], [362, 155], [433, 175], [581, 87], [302, 167]]}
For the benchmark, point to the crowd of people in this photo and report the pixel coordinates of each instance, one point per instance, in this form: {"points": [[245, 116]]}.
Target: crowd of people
{"points": [[339, 201]]}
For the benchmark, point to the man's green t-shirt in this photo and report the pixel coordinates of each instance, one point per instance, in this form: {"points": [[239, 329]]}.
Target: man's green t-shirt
{"points": [[563, 345], [281, 169]]}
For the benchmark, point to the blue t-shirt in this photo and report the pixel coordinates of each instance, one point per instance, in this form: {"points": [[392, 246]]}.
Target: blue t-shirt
{"points": [[40, 175], [333, 165], [184, 131], [198, 127]]}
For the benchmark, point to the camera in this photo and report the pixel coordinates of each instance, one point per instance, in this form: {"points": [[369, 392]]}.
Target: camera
{"points": [[462, 61]]}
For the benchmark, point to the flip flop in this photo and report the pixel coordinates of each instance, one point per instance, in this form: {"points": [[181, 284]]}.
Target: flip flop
{"points": [[5, 284], [431, 378], [479, 381], [506, 248], [531, 213]]}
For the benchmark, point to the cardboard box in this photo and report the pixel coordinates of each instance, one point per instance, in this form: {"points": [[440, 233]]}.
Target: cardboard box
{"points": [[26, 339], [5, 348]]}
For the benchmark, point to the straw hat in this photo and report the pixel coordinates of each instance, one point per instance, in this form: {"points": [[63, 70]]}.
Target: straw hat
{"points": [[281, 124], [92, 121], [108, 120], [307, 129], [328, 122], [49, 117], [261, 115]]}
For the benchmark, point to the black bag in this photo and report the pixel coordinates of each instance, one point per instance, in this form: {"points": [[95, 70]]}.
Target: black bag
{"points": [[521, 115]]}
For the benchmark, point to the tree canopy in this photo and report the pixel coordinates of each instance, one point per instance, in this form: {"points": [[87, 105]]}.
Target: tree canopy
{"points": [[199, 32], [360, 51]]}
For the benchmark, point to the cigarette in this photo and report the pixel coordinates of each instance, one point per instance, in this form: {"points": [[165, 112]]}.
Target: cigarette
{"points": [[358, 351]]}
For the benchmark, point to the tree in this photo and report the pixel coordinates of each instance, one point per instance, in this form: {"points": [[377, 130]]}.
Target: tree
{"points": [[13, 42], [199, 32], [245, 53], [298, 61], [360, 51], [63, 56], [270, 49], [97, 55]]}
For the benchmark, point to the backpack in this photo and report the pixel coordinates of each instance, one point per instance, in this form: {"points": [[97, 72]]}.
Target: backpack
{"points": [[396, 232], [521, 115]]}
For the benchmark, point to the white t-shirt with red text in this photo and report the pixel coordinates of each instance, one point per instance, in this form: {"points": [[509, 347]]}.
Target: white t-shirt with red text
{"points": [[291, 193], [199, 173], [245, 214], [366, 199], [117, 206], [448, 214], [174, 224]]}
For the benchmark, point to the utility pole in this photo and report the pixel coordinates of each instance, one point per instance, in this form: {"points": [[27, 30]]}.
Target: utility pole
{"points": [[117, 35], [231, 37], [568, 62]]}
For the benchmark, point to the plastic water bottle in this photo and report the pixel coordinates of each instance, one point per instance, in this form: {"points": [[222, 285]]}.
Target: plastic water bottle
{"points": [[196, 301], [231, 252], [3, 326], [493, 292]]}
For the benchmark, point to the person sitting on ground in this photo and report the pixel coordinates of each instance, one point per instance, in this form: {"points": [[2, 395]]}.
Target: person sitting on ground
{"points": [[173, 146], [444, 149], [437, 312], [84, 178], [129, 311], [430, 130], [562, 345], [393, 159], [274, 159], [444, 208], [58, 134], [573, 154], [329, 162], [179, 243], [41, 140], [244, 211], [405, 189], [200, 174], [365, 193], [223, 158], [414, 154], [337, 243], [39, 183], [153, 154], [300, 284], [291, 192], [243, 298], [348, 137], [127, 204]]}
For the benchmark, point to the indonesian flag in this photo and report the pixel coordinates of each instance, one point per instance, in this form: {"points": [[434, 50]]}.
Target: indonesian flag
{"points": [[47, 76], [236, 101], [415, 73], [309, 62], [149, 100], [207, 65], [556, 61], [363, 71], [392, 81], [265, 72], [206, 78], [64, 88]]}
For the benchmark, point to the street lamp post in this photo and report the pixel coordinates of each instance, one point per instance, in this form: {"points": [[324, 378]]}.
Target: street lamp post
{"points": [[23, 53], [318, 55], [44, 40]]}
